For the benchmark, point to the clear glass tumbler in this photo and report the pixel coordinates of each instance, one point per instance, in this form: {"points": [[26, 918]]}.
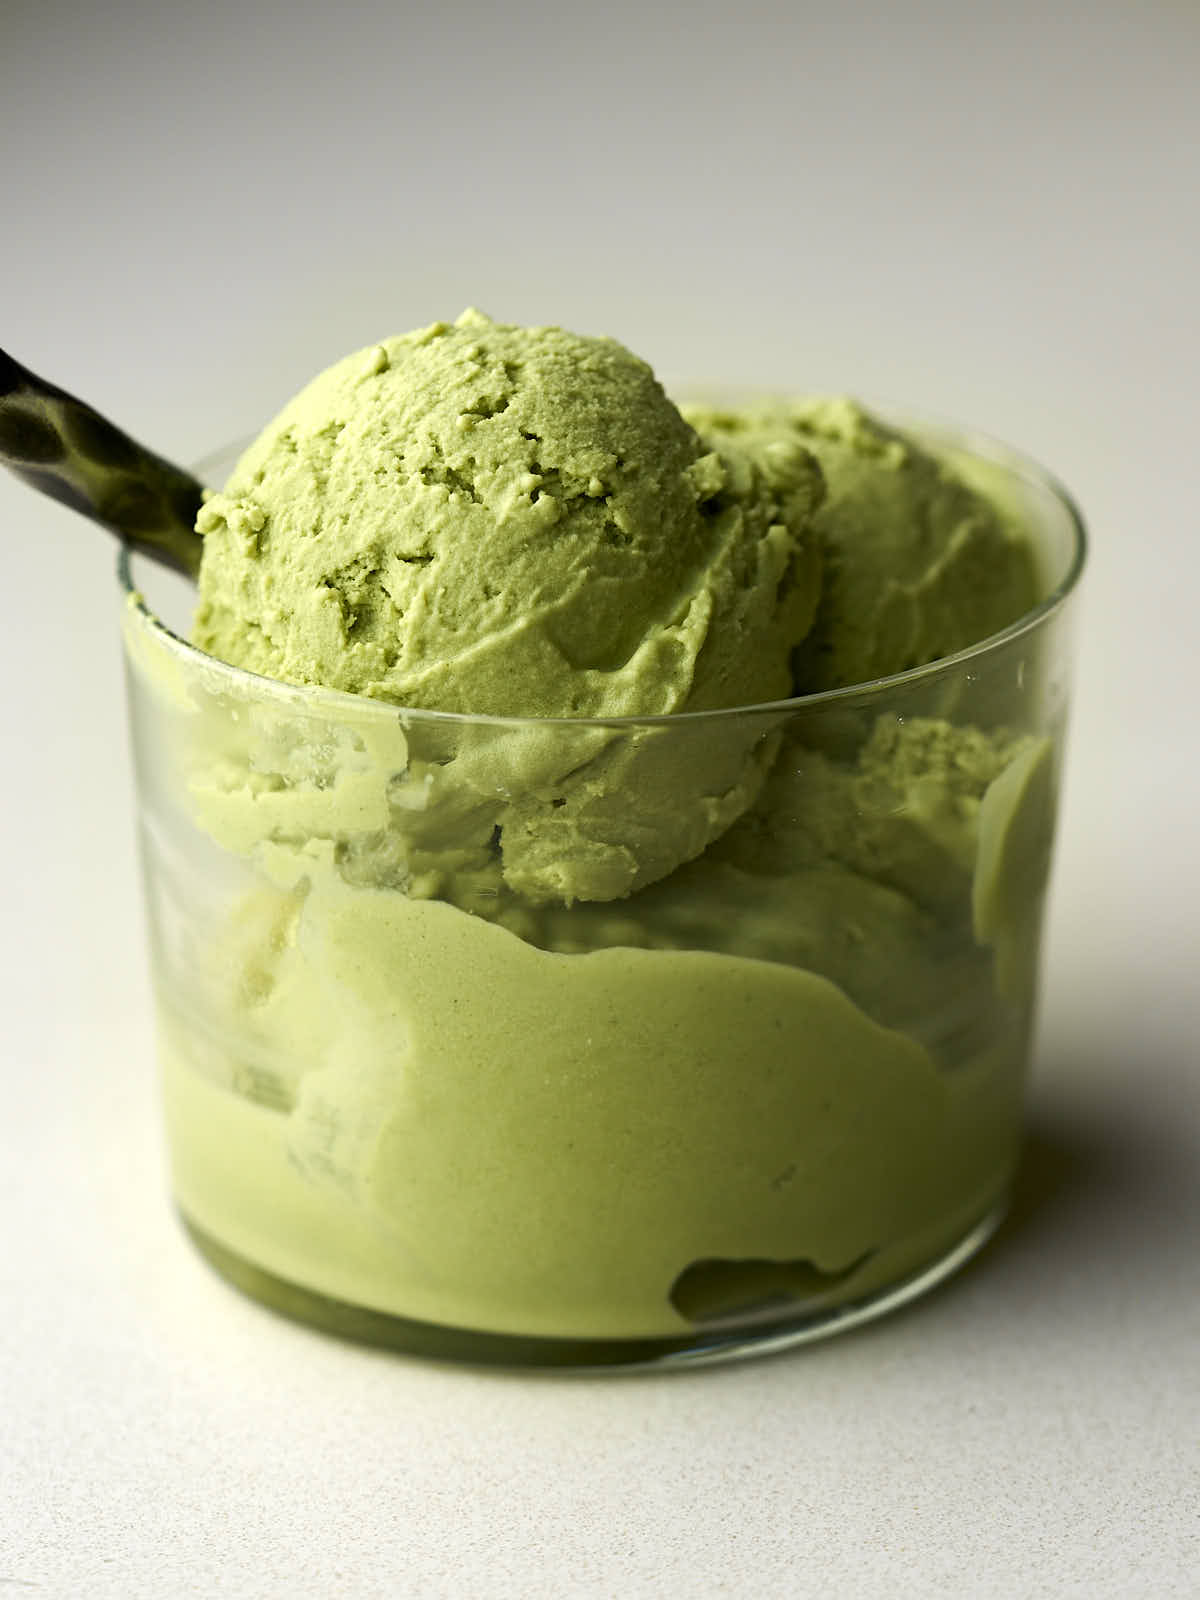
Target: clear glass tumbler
{"points": [[769, 1089]]}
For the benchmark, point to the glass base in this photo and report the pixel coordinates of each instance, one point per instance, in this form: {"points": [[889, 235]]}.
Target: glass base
{"points": [[464, 1346]]}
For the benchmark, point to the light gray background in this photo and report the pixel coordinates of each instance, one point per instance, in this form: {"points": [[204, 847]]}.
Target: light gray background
{"points": [[989, 214]]}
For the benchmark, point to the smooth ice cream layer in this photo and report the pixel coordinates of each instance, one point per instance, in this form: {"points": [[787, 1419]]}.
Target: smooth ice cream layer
{"points": [[552, 1149], [783, 1077], [590, 1030]]}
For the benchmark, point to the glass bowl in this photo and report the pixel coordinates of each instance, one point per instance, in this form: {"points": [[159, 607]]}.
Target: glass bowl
{"points": [[414, 1098]]}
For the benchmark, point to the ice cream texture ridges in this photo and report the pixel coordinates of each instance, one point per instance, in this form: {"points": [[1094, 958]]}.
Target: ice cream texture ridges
{"points": [[917, 565], [497, 520], [590, 1030]]}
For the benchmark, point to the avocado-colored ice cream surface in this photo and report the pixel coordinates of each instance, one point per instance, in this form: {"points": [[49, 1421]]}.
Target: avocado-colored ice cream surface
{"points": [[513, 521], [495, 1018]]}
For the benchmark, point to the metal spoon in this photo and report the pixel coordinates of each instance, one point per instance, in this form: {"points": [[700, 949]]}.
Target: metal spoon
{"points": [[63, 448]]}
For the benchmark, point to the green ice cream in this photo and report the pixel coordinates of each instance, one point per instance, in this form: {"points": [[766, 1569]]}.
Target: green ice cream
{"points": [[918, 564], [495, 520], [770, 1079], [588, 1030], [509, 521]]}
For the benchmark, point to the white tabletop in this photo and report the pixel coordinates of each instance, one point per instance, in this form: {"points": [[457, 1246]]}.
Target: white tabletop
{"points": [[992, 220]]}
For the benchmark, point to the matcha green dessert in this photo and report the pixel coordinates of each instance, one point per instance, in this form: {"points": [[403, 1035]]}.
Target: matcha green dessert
{"points": [[495, 520], [917, 565], [509, 521], [599, 961]]}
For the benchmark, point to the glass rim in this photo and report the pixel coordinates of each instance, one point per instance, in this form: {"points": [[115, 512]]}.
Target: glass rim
{"points": [[970, 441]]}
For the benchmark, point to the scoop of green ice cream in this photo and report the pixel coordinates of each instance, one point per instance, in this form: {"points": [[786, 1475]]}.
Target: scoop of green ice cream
{"points": [[513, 521], [918, 564], [485, 519]]}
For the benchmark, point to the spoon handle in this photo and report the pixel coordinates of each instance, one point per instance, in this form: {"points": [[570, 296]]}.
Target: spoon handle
{"points": [[63, 448]]}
